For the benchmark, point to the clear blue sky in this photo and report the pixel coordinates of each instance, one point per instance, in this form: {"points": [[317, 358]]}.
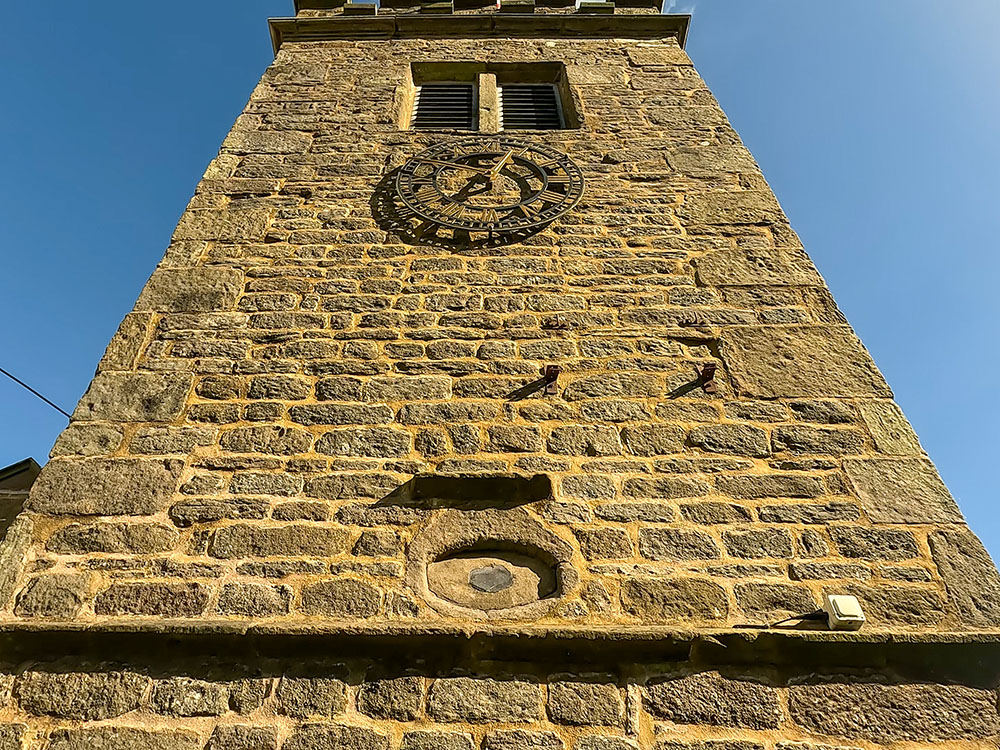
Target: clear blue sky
{"points": [[876, 122]]}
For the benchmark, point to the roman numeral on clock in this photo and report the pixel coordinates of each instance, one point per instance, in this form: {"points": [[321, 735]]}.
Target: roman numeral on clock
{"points": [[428, 195]]}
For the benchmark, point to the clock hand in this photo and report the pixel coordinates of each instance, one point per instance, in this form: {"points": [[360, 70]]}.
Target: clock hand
{"points": [[493, 173], [453, 165]]}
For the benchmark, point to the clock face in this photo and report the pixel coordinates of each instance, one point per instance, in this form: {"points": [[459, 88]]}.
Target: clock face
{"points": [[490, 184]]}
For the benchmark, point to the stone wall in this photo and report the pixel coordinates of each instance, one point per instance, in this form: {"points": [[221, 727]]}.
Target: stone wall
{"points": [[360, 706]]}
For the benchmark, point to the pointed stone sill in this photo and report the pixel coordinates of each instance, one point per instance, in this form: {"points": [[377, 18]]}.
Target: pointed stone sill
{"points": [[963, 656]]}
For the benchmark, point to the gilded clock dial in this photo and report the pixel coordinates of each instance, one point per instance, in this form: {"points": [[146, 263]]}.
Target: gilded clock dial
{"points": [[490, 184]]}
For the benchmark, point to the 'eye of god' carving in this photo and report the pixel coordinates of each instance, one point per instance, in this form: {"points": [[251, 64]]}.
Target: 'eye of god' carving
{"points": [[491, 579]]}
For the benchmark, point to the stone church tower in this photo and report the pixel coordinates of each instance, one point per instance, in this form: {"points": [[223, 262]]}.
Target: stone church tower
{"points": [[485, 400]]}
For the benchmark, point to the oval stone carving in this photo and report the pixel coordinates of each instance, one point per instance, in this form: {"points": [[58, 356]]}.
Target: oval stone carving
{"points": [[491, 579]]}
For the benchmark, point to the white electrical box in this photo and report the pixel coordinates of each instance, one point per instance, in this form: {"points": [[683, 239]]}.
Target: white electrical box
{"points": [[843, 612]]}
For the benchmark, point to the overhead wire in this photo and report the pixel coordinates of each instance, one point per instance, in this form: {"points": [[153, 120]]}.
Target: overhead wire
{"points": [[36, 393]]}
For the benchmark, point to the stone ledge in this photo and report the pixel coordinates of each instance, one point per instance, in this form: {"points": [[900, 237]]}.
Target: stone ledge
{"points": [[972, 658], [493, 26]]}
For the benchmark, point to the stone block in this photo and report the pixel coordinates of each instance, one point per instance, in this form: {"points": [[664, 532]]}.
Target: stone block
{"points": [[368, 442], [867, 543], [908, 606], [334, 737], [751, 267], [667, 488], [184, 696], [134, 397], [752, 487], [81, 696], [166, 440], [104, 487], [590, 487], [246, 696], [712, 513], [613, 385], [805, 440], [969, 575], [378, 543], [279, 388], [122, 738], [522, 739], [127, 343], [586, 703], [208, 510], [889, 428], [514, 439], [270, 439], [435, 740], [242, 737], [265, 484], [658, 440], [724, 208], [731, 439], [152, 599], [114, 538], [815, 513], [452, 412], [630, 512], [676, 545], [304, 697], [341, 414], [341, 597], [87, 440], [661, 600], [55, 596], [887, 714], [770, 602], [398, 699], [394, 389], [901, 491], [710, 699], [483, 701], [754, 544], [604, 543], [599, 742], [800, 361], [246, 225], [580, 440], [292, 540], [11, 736], [254, 600], [191, 290]]}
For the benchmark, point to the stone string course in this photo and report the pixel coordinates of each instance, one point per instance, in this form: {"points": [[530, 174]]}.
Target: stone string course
{"points": [[357, 706]]}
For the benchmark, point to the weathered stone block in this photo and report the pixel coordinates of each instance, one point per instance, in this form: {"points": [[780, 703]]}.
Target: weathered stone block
{"points": [[183, 696], [83, 696], [165, 440], [659, 440], [87, 440], [11, 736], [246, 696], [586, 703], [292, 540], [667, 488], [613, 385], [902, 491], [242, 737], [891, 431], [721, 208], [758, 543], [342, 597], [246, 225], [970, 576], [895, 713], [302, 697], [810, 513], [672, 599], [191, 290], [514, 439], [711, 513], [745, 267], [208, 510], [770, 602], [271, 439], [874, 544], [134, 397], [579, 440], [370, 442], [113, 537], [152, 599], [800, 439], [481, 701], [122, 738], [598, 742], [399, 699], [254, 600], [604, 544], [104, 487], [522, 739], [392, 389], [731, 439], [434, 740], [909, 606], [770, 485], [629, 512], [333, 737], [56, 596], [676, 544], [341, 414], [797, 361], [708, 698]]}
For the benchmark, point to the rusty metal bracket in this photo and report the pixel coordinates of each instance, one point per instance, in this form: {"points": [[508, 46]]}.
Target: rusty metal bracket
{"points": [[706, 378], [551, 375]]}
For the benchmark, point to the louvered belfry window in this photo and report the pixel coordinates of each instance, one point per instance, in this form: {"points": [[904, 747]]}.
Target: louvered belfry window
{"points": [[444, 106], [530, 106]]}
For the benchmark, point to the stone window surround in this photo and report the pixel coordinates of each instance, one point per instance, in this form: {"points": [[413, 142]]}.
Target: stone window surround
{"points": [[486, 78]]}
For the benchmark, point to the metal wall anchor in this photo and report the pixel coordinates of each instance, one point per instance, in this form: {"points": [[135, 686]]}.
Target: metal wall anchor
{"points": [[551, 375], [706, 377]]}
